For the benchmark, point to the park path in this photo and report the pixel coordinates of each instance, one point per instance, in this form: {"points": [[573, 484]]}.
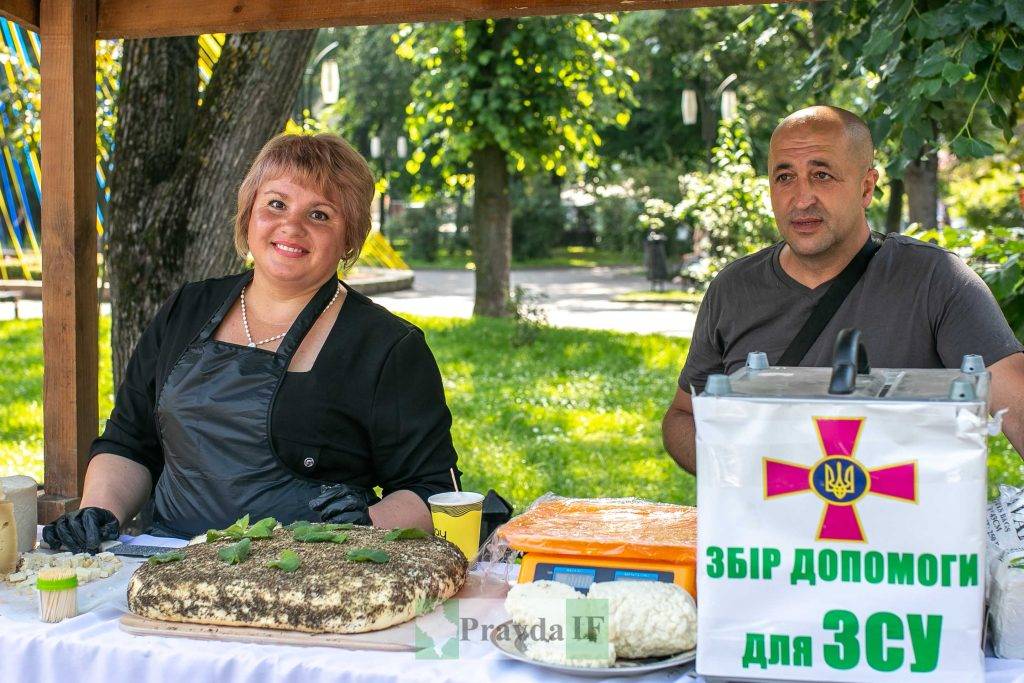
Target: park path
{"points": [[575, 297]]}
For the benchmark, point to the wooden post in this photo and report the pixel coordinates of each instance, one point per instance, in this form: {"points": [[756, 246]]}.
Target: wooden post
{"points": [[70, 313]]}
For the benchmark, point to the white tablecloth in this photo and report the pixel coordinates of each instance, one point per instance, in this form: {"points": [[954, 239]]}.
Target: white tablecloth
{"points": [[91, 648]]}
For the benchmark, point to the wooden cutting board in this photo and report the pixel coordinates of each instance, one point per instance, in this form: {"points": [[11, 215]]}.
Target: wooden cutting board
{"points": [[398, 638]]}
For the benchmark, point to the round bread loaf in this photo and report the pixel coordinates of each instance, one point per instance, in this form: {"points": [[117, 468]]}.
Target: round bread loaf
{"points": [[328, 593]]}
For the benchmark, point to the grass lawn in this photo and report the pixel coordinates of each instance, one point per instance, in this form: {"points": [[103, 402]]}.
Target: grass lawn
{"points": [[562, 257], [577, 413]]}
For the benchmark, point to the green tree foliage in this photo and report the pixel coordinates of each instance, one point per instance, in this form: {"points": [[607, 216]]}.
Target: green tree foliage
{"points": [[983, 192], [699, 48], [510, 96], [997, 254], [944, 72], [728, 206], [540, 94], [374, 92]]}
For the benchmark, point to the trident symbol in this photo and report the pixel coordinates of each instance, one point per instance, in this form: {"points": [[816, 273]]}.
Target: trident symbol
{"points": [[837, 482]]}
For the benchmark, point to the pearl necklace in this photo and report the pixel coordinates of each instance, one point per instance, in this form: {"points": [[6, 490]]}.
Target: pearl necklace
{"points": [[245, 321]]}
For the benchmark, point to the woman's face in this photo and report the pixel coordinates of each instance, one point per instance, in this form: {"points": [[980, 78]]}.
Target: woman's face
{"points": [[296, 235]]}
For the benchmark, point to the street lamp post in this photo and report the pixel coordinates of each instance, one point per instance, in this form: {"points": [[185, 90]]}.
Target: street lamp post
{"points": [[729, 104], [376, 152], [329, 79]]}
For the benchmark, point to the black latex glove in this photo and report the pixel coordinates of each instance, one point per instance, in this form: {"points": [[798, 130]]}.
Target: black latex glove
{"points": [[341, 504], [82, 531]]}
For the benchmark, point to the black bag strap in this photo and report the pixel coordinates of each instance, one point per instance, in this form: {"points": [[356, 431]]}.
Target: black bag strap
{"points": [[829, 303]]}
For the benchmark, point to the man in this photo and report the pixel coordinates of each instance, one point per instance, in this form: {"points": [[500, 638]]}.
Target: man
{"points": [[916, 305]]}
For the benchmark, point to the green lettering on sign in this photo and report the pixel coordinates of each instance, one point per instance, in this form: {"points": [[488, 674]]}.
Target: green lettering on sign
{"points": [[877, 629], [844, 653], [925, 635], [778, 646], [802, 651], [901, 568], [715, 564], [803, 566], [754, 652], [969, 570], [772, 559], [737, 566]]}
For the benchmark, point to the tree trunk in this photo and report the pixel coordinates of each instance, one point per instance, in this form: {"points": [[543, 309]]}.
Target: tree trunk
{"points": [[491, 233], [178, 164], [894, 212], [921, 180]]}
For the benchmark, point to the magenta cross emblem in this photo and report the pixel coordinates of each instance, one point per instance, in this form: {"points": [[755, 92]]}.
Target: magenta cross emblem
{"points": [[839, 479]]}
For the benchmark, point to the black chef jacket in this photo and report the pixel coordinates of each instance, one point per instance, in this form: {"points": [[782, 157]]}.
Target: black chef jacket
{"points": [[370, 412]]}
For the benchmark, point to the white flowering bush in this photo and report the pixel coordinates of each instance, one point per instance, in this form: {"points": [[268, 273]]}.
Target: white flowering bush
{"points": [[728, 207]]}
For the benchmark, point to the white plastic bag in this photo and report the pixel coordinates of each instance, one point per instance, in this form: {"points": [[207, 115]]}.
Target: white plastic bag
{"points": [[1006, 606], [1005, 525]]}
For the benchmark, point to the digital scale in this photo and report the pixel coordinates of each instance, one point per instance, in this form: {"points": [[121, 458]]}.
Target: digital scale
{"points": [[580, 542], [580, 572]]}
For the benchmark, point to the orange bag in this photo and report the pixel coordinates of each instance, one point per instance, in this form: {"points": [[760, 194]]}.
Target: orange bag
{"points": [[607, 527]]}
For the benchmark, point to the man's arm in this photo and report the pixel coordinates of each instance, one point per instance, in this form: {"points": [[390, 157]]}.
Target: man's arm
{"points": [[1007, 391], [678, 432]]}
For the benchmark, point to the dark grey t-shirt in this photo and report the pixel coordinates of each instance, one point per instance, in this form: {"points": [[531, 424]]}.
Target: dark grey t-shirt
{"points": [[917, 306]]}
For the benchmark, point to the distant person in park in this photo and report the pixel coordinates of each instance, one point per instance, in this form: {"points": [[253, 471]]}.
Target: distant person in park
{"points": [[279, 391], [917, 305]]}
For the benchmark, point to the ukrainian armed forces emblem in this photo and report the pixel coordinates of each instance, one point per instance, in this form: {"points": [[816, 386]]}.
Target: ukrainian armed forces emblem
{"points": [[839, 479]]}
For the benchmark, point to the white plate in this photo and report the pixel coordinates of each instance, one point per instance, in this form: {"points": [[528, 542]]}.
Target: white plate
{"points": [[621, 667]]}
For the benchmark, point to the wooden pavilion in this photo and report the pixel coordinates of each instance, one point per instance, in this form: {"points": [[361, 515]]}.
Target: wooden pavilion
{"points": [[68, 31]]}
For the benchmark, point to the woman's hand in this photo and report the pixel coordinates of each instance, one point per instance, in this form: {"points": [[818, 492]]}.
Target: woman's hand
{"points": [[341, 504], [82, 531]]}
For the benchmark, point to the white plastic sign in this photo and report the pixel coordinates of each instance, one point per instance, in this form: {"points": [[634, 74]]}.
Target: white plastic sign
{"points": [[840, 541]]}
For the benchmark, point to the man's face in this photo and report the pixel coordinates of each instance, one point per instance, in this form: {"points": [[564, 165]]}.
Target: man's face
{"points": [[819, 187]]}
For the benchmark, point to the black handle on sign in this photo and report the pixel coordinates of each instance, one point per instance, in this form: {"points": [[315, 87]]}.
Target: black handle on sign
{"points": [[849, 359]]}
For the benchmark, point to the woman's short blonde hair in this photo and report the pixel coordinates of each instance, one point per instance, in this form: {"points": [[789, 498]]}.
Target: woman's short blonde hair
{"points": [[330, 166]]}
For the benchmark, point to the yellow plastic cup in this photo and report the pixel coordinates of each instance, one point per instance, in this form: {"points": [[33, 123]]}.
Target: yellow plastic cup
{"points": [[456, 516]]}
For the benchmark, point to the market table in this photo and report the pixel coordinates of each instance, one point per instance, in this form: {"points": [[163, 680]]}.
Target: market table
{"points": [[92, 648]]}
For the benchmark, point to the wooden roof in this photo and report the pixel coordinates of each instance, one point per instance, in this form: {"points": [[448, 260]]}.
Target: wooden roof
{"points": [[148, 18]]}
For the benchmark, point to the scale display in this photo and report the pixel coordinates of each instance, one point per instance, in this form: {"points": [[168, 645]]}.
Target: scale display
{"points": [[581, 578]]}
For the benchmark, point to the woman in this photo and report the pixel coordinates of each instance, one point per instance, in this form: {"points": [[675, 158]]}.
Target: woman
{"points": [[279, 391]]}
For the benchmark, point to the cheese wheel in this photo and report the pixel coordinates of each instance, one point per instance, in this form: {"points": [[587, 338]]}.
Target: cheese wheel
{"points": [[21, 491], [8, 539]]}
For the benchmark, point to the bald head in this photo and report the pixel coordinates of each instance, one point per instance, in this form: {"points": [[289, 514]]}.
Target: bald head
{"points": [[828, 119], [821, 179]]}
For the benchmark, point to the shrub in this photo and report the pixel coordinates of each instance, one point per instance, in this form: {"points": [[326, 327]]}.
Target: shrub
{"points": [[729, 206], [538, 218], [984, 193], [618, 210], [418, 227]]}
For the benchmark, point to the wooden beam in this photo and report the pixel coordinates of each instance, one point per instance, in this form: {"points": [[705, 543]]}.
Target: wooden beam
{"points": [[147, 18], [25, 12], [70, 313]]}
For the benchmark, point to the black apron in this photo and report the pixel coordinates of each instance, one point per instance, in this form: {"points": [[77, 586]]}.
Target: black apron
{"points": [[213, 415]]}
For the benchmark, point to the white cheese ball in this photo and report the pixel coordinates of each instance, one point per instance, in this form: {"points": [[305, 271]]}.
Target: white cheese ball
{"points": [[529, 603], [553, 652], [648, 618]]}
